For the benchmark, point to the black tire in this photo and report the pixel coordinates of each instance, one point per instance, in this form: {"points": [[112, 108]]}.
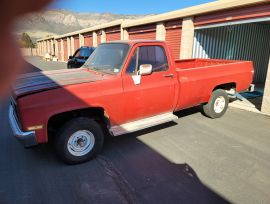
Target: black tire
{"points": [[209, 109], [82, 124]]}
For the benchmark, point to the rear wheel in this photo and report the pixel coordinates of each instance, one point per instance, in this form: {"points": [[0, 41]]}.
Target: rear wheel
{"points": [[79, 140], [217, 105]]}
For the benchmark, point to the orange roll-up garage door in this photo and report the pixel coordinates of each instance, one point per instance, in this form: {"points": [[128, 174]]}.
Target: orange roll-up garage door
{"points": [[65, 50], [99, 37], [59, 54], [76, 42], [147, 32], [113, 34], [173, 36], [88, 39]]}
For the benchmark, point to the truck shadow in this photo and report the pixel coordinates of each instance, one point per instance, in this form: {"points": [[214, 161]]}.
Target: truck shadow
{"points": [[30, 68], [189, 111], [149, 176]]}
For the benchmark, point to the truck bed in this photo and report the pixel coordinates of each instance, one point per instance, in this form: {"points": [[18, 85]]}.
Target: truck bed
{"points": [[195, 63], [199, 77]]}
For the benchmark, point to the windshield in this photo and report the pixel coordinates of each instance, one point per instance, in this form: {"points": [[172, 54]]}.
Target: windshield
{"points": [[108, 58]]}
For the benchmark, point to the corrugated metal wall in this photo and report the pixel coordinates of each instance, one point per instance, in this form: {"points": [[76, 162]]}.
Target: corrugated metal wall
{"points": [[238, 42]]}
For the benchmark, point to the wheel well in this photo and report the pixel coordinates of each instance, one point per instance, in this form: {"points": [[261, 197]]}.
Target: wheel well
{"points": [[57, 121], [227, 86]]}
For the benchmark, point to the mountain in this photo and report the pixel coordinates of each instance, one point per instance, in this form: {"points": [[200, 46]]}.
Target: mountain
{"points": [[57, 22]]}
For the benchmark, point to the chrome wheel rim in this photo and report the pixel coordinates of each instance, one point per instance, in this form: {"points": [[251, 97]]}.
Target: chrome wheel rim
{"points": [[81, 143], [219, 104]]}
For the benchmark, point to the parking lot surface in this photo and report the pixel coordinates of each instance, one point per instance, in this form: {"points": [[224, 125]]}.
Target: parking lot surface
{"points": [[192, 160], [40, 64]]}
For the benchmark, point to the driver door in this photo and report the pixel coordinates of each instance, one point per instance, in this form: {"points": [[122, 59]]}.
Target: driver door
{"points": [[155, 93]]}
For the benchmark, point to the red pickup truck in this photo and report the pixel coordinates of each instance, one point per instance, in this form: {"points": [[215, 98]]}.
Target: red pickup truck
{"points": [[123, 87]]}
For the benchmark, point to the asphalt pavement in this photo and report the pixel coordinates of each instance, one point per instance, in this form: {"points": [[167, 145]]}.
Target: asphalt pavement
{"points": [[192, 160], [37, 64]]}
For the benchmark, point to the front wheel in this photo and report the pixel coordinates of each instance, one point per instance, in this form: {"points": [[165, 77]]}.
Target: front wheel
{"points": [[217, 105], [79, 140]]}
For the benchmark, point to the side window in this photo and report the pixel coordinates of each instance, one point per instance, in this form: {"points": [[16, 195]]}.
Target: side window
{"points": [[154, 55]]}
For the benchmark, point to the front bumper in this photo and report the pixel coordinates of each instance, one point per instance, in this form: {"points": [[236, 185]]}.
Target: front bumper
{"points": [[28, 139]]}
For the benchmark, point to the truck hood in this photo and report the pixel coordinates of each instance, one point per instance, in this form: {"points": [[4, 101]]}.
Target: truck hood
{"points": [[46, 80]]}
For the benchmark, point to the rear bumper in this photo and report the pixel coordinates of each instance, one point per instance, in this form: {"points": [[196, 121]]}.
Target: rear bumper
{"points": [[28, 139]]}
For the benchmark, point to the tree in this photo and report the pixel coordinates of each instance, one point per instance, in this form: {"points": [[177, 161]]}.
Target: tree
{"points": [[26, 41]]}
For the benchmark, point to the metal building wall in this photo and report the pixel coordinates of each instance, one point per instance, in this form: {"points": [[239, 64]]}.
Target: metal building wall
{"points": [[236, 42]]}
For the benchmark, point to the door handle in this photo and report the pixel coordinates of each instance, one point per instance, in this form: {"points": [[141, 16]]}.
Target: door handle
{"points": [[168, 75]]}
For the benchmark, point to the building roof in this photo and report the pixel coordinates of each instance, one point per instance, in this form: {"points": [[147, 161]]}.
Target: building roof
{"points": [[47, 38], [93, 28], [132, 42], [193, 11]]}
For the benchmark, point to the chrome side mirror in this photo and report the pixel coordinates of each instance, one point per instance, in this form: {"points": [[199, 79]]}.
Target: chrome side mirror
{"points": [[145, 69]]}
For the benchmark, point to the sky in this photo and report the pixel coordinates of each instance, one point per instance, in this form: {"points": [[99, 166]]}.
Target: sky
{"points": [[122, 7]]}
